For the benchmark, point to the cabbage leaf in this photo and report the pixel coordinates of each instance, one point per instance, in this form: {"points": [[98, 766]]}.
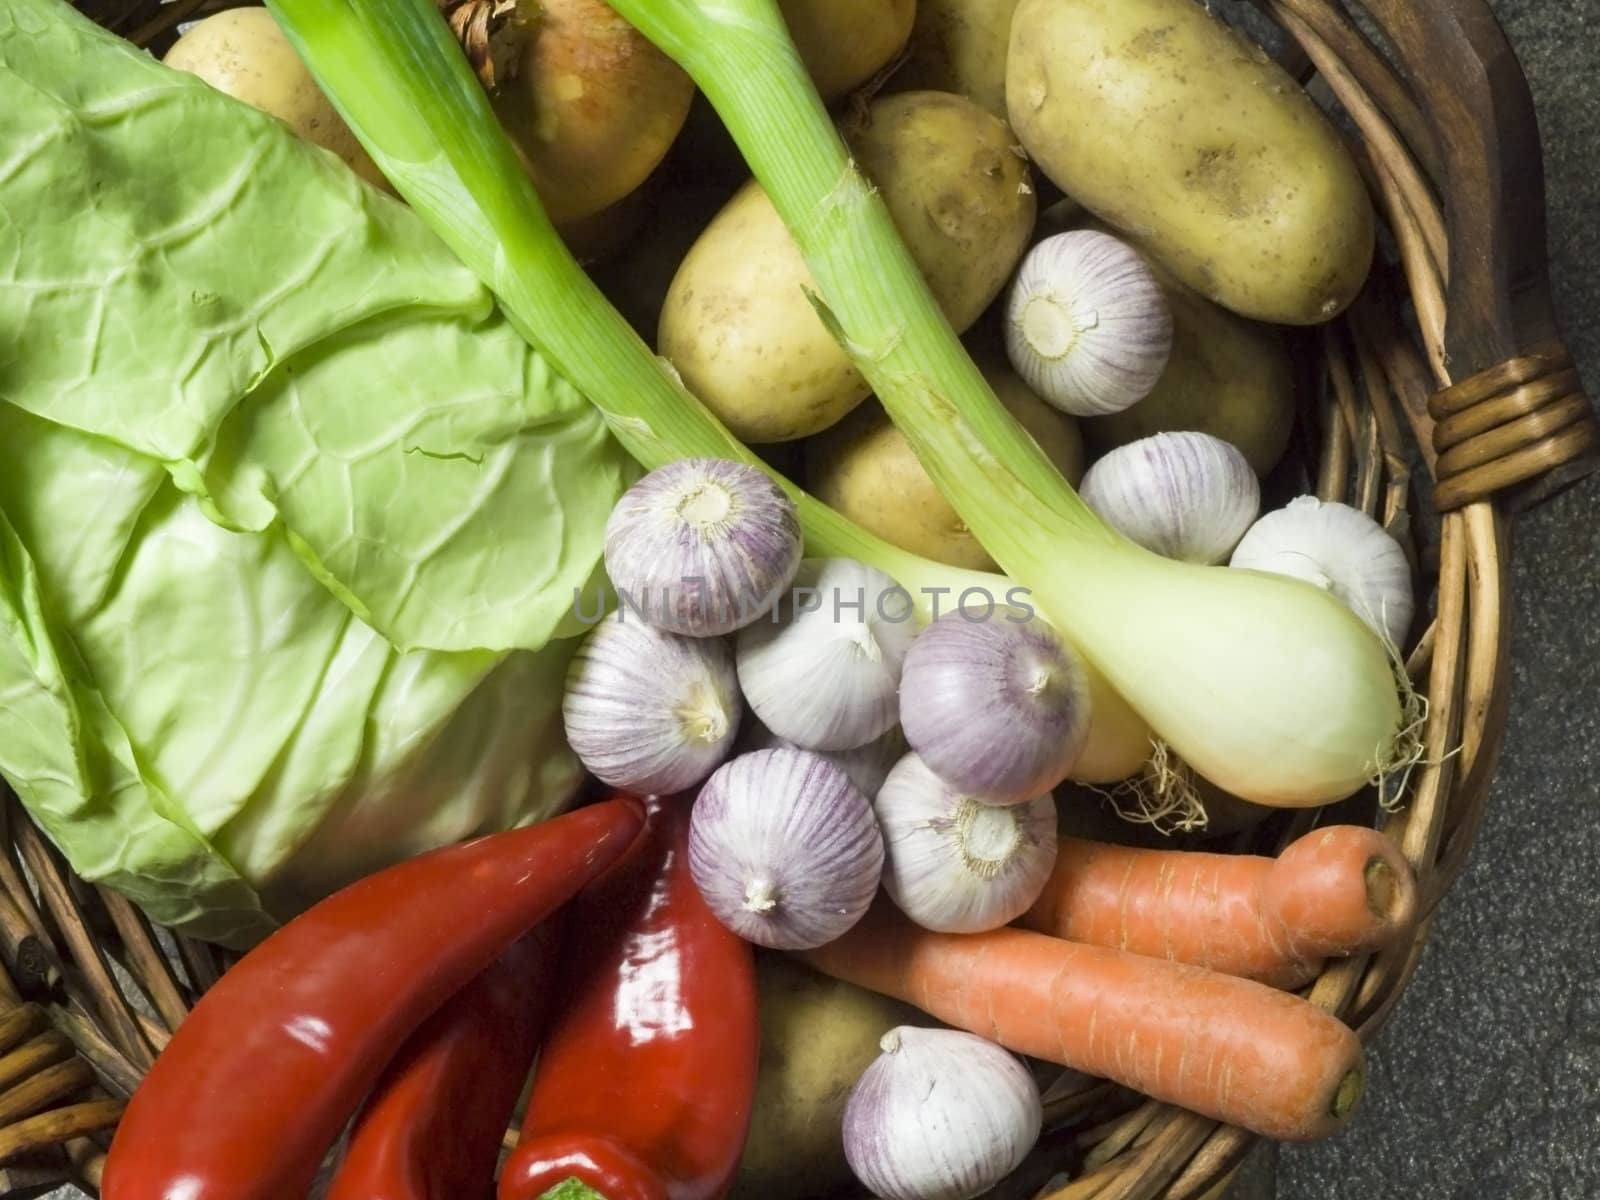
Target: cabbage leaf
{"points": [[291, 519]]}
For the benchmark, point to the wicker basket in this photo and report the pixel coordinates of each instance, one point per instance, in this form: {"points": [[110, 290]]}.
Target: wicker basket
{"points": [[1451, 360]]}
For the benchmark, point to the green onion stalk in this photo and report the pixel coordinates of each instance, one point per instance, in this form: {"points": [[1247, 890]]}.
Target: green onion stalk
{"points": [[1267, 686]]}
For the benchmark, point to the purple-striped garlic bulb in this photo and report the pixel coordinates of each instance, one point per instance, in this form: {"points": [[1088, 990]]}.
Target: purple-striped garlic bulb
{"points": [[1188, 496], [702, 546], [999, 707]]}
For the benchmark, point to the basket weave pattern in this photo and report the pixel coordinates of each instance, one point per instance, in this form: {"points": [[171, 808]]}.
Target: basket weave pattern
{"points": [[1451, 359]]}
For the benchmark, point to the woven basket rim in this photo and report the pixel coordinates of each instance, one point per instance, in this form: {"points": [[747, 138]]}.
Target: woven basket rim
{"points": [[1390, 390]]}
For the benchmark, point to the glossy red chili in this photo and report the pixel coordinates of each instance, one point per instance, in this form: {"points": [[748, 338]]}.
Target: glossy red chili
{"points": [[433, 1125], [645, 1080], [258, 1081]]}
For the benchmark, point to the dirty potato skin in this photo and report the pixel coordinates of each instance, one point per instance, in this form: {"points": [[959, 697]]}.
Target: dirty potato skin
{"points": [[960, 46], [593, 108], [865, 468], [844, 43], [244, 53], [737, 324], [817, 1036], [1166, 124], [1226, 376]]}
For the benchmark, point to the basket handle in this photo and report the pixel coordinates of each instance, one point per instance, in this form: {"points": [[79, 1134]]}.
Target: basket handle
{"points": [[1516, 420]]}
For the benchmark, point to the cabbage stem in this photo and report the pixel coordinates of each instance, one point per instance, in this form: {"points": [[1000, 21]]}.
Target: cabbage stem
{"points": [[1267, 686]]}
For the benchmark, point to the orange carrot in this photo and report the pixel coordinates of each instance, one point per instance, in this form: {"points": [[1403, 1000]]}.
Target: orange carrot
{"points": [[1337, 891], [1227, 1048]]}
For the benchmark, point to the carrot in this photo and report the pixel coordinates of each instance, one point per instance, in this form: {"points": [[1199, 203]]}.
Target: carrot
{"points": [[1227, 1048], [1336, 891]]}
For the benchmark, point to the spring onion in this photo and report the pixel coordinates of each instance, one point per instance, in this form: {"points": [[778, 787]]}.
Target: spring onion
{"points": [[1265, 685]]}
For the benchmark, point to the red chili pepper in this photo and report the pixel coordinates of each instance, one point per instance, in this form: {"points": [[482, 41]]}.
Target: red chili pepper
{"points": [[258, 1081], [645, 1080], [432, 1128]]}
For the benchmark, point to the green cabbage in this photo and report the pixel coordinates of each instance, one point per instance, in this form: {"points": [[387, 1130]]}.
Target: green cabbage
{"points": [[291, 520]]}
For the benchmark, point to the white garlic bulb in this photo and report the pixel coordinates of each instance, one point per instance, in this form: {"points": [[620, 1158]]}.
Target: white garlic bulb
{"points": [[1188, 496], [822, 671], [647, 710], [955, 864], [1339, 549], [702, 546], [940, 1115], [1087, 326], [867, 766]]}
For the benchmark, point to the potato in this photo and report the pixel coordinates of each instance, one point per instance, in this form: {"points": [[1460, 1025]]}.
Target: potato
{"points": [[960, 46], [844, 43], [1165, 123], [737, 323], [817, 1036], [865, 468], [592, 108], [243, 52], [1226, 376]]}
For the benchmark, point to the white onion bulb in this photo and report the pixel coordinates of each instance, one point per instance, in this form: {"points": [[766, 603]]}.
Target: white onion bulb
{"points": [[648, 711], [954, 864], [940, 1115], [784, 849], [999, 707], [823, 670], [702, 546], [1188, 496], [1339, 549], [1087, 326]]}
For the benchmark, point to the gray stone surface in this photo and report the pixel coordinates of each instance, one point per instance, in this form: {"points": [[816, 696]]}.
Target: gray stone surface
{"points": [[1486, 1085]]}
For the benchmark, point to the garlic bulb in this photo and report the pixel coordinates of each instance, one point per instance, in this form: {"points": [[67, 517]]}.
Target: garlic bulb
{"points": [[702, 546], [940, 1115], [649, 711], [1341, 550], [784, 849], [1087, 326], [1188, 496], [867, 766], [998, 707], [822, 671], [955, 864]]}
